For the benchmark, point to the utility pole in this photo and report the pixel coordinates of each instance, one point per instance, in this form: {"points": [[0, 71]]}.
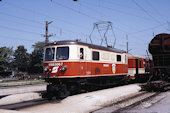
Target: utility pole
{"points": [[46, 32], [127, 45]]}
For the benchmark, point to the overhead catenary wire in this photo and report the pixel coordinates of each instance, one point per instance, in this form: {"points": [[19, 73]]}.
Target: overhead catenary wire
{"points": [[22, 18], [25, 8], [86, 5], [160, 24], [124, 24], [153, 18], [122, 12], [155, 9], [43, 23], [20, 30], [42, 14], [121, 5], [63, 31], [143, 30], [37, 22], [16, 38], [33, 12], [74, 10], [147, 29], [21, 23]]}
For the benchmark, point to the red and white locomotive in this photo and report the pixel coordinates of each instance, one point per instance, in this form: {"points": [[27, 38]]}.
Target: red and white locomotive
{"points": [[72, 66]]}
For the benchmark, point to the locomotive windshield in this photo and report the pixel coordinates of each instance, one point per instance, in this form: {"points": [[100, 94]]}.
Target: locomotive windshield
{"points": [[62, 53], [49, 54]]}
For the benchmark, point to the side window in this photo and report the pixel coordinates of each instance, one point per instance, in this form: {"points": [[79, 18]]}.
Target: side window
{"points": [[118, 58], [95, 55], [81, 53]]}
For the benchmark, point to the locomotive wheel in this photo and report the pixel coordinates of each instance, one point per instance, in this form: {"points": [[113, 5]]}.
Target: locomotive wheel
{"points": [[57, 91], [63, 92], [50, 91]]}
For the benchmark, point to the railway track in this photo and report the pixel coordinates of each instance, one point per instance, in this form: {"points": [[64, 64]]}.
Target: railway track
{"points": [[27, 104], [5, 91], [127, 103], [18, 86]]}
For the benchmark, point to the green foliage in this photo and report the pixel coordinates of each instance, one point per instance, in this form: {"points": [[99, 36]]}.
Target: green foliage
{"points": [[5, 58], [36, 58], [21, 59], [39, 46]]}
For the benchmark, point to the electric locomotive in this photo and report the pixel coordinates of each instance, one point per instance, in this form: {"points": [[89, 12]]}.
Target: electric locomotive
{"points": [[73, 66]]}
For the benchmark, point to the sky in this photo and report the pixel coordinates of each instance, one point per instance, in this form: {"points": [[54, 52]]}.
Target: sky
{"points": [[22, 22]]}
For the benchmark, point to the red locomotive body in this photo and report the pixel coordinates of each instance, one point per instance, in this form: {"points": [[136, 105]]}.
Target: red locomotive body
{"points": [[70, 66]]}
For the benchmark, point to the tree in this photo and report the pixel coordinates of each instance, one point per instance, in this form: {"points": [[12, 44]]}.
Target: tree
{"points": [[5, 58], [36, 58], [21, 58]]}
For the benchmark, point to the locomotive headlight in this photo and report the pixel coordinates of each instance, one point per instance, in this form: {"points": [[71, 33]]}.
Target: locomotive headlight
{"points": [[63, 68], [46, 68]]}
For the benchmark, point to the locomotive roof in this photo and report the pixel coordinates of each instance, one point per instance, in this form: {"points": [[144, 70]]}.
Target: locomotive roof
{"points": [[65, 42]]}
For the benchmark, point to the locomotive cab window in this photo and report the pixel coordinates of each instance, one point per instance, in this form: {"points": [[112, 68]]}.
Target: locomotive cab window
{"points": [[81, 53], [95, 55], [49, 54], [62, 53], [118, 58]]}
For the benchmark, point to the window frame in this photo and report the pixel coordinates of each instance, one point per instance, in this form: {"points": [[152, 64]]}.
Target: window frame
{"points": [[118, 58], [45, 55], [81, 53], [94, 57], [62, 47]]}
